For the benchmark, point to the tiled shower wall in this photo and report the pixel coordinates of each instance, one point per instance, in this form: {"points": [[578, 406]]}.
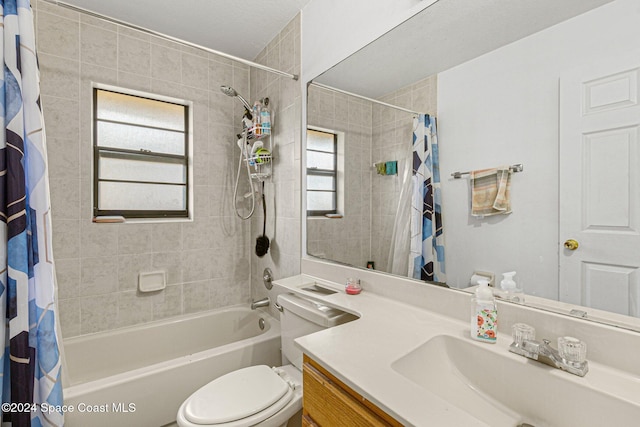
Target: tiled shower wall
{"points": [[347, 239], [282, 190], [374, 133], [207, 261]]}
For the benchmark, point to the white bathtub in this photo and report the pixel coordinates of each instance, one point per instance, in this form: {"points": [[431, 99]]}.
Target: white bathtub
{"points": [[138, 376]]}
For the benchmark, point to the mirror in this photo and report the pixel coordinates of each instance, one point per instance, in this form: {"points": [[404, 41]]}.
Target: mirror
{"points": [[499, 76]]}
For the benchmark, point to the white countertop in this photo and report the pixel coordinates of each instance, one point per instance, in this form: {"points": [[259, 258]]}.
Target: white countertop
{"points": [[360, 353]]}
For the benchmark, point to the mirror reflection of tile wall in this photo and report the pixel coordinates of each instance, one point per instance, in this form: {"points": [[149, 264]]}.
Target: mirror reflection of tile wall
{"points": [[345, 239], [373, 133]]}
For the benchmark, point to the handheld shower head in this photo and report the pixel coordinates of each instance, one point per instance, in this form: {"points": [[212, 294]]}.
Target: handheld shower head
{"points": [[229, 91]]}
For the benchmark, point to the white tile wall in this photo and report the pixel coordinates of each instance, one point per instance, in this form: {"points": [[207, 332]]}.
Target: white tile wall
{"points": [[347, 239], [207, 261], [374, 133], [283, 189]]}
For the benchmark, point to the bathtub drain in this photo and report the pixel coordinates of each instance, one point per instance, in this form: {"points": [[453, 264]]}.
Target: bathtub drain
{"points": [[261, 323]]}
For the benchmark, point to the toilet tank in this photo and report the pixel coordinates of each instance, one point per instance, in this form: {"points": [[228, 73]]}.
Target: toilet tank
{"points": [[300, 317]]}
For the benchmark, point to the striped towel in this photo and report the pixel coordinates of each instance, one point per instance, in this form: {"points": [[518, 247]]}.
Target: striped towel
{"points": [[490, 191]]}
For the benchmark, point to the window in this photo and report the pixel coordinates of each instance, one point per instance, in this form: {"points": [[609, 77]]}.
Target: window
{"points": [[322, 172], [141, 155]]}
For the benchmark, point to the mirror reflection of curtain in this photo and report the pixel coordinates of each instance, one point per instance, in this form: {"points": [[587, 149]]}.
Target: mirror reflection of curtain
{"points": [[418, 240], [398, 261]]}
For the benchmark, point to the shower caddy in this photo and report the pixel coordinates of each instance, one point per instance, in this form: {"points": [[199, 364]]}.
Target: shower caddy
{"points": [[260, 165]]}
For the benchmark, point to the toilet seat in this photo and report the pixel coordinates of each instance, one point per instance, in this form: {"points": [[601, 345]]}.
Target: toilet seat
{"points": [[240, 398]]}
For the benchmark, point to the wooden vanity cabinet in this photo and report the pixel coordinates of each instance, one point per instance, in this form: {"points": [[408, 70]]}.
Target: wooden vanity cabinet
{"points": [[328, 402]]}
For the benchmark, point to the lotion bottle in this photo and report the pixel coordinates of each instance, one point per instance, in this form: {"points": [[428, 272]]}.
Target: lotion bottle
{"points": [[484, 314]]}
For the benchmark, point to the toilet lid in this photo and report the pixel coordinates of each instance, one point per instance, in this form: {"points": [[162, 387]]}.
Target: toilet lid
{"points": [[236, 395]]}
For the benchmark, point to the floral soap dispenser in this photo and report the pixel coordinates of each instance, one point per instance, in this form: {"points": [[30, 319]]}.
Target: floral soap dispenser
{"points": [[484, 314]]}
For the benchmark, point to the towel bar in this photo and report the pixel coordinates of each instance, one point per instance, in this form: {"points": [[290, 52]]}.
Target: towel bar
{"points": [[513, 168]]}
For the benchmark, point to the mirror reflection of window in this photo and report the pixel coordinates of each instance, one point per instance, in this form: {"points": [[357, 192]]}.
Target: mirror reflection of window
{"points": [[322, 171]]}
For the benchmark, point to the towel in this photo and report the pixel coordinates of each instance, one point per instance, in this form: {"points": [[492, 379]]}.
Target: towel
{"points": [[491, 191], [381, 168], [392, 168]]}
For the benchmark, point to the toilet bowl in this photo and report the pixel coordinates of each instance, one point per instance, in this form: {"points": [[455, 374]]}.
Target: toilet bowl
{"points": [[253, 396], [260, 395]]}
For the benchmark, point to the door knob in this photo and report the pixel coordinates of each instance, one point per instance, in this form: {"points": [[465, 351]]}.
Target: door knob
{"points": [[571, 244]]}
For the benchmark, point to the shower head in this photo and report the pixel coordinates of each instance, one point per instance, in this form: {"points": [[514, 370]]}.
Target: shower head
{"points": [[229, 91]]}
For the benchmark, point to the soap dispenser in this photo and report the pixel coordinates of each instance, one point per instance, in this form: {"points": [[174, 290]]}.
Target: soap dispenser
{"points": [[510, 290], [484, 314]]}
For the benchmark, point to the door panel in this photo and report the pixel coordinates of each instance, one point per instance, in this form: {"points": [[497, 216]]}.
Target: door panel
{"points": [[600, 185]]}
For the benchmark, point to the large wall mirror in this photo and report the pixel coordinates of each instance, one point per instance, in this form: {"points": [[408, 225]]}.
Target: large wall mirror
{"points": [[554, 87]]}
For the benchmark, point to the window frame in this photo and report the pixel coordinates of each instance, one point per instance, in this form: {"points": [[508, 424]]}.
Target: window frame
{"points": [[143, 154], [324, 172]]}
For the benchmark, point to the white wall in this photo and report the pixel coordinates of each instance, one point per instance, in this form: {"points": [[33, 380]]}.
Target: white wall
{"points": [[334, 29], [502, 108]]}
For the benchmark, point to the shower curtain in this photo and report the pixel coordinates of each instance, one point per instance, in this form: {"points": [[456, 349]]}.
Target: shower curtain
{"points": [[426, 258], [31, 363]]}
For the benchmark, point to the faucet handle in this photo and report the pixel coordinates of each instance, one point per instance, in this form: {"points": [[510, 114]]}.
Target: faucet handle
{"points": [[572, 349], [522, 332]]}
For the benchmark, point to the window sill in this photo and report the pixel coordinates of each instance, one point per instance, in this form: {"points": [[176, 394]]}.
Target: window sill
{"points": [[319, 217], [148, 221]]}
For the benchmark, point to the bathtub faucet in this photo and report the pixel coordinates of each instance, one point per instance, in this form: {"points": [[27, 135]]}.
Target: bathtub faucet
{"points": [[264, 302]]}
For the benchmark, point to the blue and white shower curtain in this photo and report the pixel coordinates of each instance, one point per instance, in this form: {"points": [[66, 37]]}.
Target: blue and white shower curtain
{"points": [[31, 363], [427, 239]]}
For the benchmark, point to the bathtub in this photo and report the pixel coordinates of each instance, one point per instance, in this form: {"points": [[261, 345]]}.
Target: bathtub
{"points": [[139, 376]]}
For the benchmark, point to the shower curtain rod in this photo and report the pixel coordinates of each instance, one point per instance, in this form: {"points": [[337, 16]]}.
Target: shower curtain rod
{"points": [[375, 101], [171, 38]]}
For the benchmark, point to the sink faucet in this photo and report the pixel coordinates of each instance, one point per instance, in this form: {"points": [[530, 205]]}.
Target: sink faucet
{"points": [[570, 356], [264, 302]]}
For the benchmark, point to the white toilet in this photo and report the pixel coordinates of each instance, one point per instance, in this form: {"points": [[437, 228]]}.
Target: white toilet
{"points": [[260, 395]]}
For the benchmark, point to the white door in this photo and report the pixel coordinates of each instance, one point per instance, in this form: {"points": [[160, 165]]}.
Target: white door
{"points": [[600, 185]]}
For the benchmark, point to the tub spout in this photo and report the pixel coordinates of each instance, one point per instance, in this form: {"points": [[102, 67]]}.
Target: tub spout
{"points": [[264, 302]]}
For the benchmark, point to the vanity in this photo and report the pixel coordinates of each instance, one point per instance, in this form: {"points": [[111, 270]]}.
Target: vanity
{"points": [[403, 364], [329, 401], [409, 355]]}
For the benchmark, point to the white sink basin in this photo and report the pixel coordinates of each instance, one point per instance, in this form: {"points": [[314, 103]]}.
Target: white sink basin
{"points": [[503, 389]]}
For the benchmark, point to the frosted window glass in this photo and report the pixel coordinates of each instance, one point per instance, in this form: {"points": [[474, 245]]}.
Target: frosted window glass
{"points": [[118, 135], [141, 111], [129, 196], [129, 177], [319, 182], [320, 201], [136, 168], [321, 141], [320, 160]]}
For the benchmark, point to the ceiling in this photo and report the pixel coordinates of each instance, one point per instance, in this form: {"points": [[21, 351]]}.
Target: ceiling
{"points": [[237, 27], [446, 34]]}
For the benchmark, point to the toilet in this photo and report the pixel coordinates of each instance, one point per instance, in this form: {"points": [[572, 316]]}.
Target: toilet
{"points": [[261, 395]]}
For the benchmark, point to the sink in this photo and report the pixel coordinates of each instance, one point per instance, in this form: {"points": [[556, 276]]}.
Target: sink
{"points": [[502, 389]]}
